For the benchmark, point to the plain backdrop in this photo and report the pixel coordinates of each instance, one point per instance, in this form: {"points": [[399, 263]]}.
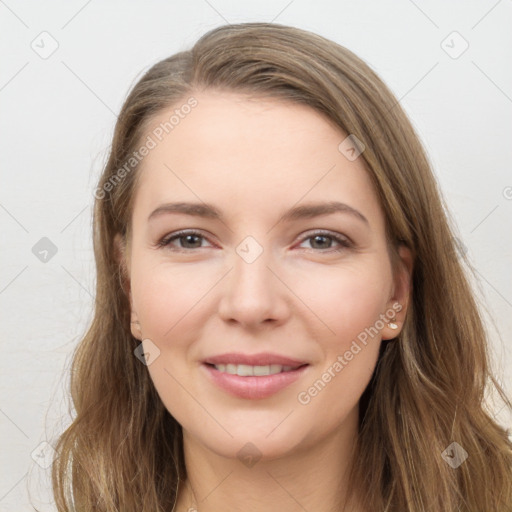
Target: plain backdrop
{"points": [[66, 68]]}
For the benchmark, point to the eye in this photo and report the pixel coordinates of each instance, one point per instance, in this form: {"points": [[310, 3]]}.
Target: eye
{"points": [[188, 240], [323, 240]]}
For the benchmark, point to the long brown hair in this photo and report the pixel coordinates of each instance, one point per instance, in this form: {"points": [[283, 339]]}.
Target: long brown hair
{"points": [[123, 451]]}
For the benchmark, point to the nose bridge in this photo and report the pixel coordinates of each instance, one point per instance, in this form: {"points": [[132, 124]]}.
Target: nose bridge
{"points": [[252, 280], [253, 294]]}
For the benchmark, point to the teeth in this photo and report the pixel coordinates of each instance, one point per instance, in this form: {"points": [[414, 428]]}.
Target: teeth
{"points": [[245, 370]]}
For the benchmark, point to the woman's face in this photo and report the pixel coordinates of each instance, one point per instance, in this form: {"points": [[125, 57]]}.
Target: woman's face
{"points": [[281, 272]]}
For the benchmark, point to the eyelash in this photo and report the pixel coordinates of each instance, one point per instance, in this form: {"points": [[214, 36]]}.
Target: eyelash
{"points": [[344, 242]]}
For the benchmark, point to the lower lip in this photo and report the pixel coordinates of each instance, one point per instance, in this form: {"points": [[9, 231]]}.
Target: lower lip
{"points": [[253, 388]]}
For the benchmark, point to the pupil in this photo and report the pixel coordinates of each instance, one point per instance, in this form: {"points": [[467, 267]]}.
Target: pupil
{"points": [[320, 238], [190, 239]]}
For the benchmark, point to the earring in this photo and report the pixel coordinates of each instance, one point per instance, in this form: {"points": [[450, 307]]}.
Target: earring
{"points": [[392, 324]]}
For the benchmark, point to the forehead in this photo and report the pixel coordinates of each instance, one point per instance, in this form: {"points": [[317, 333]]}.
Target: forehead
{"points": [[250, 154]]}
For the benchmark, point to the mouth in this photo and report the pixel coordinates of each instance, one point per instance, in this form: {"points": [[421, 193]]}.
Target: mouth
{"points": [[266, 376]]}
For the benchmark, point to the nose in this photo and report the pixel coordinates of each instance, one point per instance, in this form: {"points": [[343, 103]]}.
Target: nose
{"points": [[253, 296]]}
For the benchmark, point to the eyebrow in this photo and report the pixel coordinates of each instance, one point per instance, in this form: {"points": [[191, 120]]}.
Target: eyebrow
{"points": [[298, 212]]}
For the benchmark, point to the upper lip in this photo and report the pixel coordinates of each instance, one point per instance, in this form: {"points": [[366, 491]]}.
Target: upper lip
{"points": [[262, 359]]}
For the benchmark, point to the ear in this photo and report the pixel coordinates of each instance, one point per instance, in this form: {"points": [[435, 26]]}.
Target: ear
{"points": [[121, 252], [399, 301]]}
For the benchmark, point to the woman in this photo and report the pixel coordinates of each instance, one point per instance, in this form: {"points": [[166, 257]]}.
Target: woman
{"points": [[282, 318]]}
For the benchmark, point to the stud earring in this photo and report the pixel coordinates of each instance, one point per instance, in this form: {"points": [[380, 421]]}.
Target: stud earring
{"points": [[392, 324]]}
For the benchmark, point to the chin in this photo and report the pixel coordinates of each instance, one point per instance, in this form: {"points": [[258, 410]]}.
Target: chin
{"points": [[251, 448]]}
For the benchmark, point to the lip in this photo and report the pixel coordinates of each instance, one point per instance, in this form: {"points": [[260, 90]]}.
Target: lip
{"points": [[261, 359], [253, 387]]}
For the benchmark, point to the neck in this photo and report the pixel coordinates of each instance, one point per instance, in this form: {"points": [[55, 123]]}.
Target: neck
{"points": [[312, 478]]}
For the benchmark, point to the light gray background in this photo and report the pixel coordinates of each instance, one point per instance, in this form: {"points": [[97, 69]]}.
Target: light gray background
{"points": [[57, 118]]}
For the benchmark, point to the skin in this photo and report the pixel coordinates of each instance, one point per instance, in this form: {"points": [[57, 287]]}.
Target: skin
{"points": [[254, 159]]}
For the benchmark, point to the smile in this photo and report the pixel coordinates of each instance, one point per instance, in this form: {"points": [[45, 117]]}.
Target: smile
{"points": [[252, 382]]}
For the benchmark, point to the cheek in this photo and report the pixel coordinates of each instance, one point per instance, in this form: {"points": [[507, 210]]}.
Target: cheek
{"points": [[348, 300], [350, 303], [167, 299], [168, 302]]}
